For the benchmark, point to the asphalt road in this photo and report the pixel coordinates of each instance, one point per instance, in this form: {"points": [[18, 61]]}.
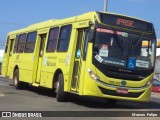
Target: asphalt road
{"points": [[40, 99]]}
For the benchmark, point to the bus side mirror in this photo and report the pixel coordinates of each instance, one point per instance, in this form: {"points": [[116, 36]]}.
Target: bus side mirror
{"points": [[91, 35], [90, 31]]}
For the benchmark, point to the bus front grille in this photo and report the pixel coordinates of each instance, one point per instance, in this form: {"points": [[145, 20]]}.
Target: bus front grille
{"points": [[114, 93]]}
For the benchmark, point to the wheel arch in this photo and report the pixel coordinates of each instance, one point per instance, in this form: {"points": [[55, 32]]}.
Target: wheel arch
{"points": [[16, 67]]}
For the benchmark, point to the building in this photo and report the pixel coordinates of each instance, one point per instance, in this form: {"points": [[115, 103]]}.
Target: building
{"points": [[158, 48], [157, 65], [156, 79]]}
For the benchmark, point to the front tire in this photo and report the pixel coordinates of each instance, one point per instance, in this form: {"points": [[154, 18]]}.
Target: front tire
{"points": [[60, 93]]}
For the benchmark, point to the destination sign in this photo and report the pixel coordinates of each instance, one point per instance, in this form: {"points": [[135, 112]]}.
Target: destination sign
{"points": [[126, 22]]}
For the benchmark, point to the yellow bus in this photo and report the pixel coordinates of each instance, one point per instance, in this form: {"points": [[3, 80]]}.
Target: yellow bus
{"points": [[94, 54]]}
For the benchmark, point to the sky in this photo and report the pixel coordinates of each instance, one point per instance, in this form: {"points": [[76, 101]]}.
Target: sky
{"points": [[16, 14]]}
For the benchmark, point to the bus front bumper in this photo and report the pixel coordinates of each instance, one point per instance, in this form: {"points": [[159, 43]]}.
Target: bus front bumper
{"points": [[101, 89]]}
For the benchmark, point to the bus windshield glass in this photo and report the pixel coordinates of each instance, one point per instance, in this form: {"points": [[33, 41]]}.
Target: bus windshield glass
{"points": [[124, 50]]}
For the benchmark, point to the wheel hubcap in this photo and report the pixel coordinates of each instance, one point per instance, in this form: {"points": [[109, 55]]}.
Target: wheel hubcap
{"points": [[57, 86], [15, 81]]}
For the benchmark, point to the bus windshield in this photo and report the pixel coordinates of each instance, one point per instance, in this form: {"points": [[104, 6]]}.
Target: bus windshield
{"points": [[124, 50]]}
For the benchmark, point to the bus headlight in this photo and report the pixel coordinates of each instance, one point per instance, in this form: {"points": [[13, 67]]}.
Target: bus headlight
{"points": [[149, 82], [92, 74]]}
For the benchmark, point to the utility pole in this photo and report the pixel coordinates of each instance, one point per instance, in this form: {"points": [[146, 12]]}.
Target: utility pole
{"points": [[105, 5]]}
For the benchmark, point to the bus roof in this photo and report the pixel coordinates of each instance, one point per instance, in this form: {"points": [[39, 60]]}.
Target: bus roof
{"points": [[52, 22]]}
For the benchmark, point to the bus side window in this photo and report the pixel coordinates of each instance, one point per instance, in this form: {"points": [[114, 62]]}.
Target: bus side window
{"points": [[86, 43], [15, 44], [11, 46], [30, 44], [52, 39], [6, 48], [21, 43], [64, 38]]}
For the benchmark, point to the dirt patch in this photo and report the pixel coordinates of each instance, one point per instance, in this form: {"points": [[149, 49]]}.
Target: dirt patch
{"points": [[1, 94]]}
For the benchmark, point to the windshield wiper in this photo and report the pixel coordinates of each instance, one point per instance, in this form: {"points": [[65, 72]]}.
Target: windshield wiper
{"points": [[137, 41], [118, 40]]}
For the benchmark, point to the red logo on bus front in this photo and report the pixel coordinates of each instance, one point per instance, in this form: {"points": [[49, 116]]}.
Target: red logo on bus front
{"points": [[122, 91], [124, 22]]}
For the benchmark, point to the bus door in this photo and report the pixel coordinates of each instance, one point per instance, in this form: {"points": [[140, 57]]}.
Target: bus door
{"points": [[6, 56], [42, 38], [79, 62]]}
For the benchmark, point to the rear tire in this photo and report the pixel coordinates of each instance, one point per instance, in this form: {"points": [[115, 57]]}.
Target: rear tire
{"points": [[17, 84], [60, 93]]}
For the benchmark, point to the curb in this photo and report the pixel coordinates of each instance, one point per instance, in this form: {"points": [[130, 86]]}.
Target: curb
{"points": [[156, 93]]}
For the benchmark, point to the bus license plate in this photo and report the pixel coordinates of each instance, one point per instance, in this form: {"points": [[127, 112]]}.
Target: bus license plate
{"points": [[122, 91]]}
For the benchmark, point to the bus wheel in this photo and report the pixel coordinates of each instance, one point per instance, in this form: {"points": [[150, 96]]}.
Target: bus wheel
{"points": [[16, 82], [111, 101], [60, 94]]}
